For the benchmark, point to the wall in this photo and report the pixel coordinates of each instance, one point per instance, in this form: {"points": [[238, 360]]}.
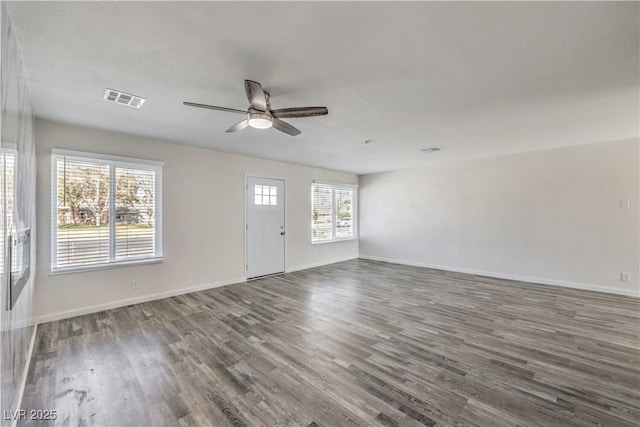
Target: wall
{"points": [[550, 216], [17, 211], [203, 221]]}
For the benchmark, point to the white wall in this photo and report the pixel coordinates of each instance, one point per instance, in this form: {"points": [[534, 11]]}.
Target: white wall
{"points": [[550, 216], [17, 329], [203, 221]]}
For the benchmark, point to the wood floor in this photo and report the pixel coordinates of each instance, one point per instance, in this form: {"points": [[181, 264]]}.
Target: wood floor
{"points": [[355, 343]]}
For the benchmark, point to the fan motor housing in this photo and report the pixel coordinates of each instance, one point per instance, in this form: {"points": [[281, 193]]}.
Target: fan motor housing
{"points": [[259, 119]]}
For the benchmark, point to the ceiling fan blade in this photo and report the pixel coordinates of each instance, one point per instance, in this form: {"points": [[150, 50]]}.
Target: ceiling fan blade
{"points": [[213, 107], [285, 113], [239, 126], [285, 127], [256, 96]]}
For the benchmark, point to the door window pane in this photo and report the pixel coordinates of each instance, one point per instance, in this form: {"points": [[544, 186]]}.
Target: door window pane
{"points": [[266, 195]]}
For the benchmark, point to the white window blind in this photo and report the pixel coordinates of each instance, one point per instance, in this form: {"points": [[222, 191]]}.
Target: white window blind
{"points": [[7, 179], [344, 212], [105, 210], [333, 212]]}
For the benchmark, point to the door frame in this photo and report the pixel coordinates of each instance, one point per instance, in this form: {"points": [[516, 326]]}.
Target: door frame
{"points": [[246, 220]]}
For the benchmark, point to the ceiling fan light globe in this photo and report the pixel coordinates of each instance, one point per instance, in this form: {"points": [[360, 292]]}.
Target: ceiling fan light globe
{"points": [[260, 120]]}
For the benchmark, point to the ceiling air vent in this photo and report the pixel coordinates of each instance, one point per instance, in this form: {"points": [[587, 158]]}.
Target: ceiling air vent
{"points": [[124, 98], [431, 149]]}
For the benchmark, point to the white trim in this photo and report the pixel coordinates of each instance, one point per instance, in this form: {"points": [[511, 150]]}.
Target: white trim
{"points": [[319, 264], [334, 184], [17, 324], [25, 372], [137, 300], [106, 157], [518, 278], [324, 242], [53, 220], [157, 244], [104, 266]]}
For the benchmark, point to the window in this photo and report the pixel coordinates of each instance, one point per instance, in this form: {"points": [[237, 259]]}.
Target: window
{"points": [[333, 212], [266, 195], [105, 210], [7, 178]]}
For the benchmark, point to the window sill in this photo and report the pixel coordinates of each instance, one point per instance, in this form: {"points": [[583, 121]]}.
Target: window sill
{"points": [[324, 242], [95, 267]]}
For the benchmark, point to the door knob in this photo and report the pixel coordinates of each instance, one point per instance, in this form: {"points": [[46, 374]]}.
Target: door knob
{"points": [[282, 233]]}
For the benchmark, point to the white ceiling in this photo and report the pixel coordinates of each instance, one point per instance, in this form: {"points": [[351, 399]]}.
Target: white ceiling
{"points": [[478, 79]]}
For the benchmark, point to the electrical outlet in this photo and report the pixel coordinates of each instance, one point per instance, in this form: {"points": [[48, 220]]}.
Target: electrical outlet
{"points": [[625, 277], [625, 204], [134, 284]]}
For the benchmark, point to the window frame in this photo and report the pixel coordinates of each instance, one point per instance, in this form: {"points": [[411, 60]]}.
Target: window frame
{"points": [[113, 162], [337, 186]]}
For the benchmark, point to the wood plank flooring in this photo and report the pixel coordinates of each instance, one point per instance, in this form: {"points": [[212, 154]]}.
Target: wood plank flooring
{"points": [[357, 343]]}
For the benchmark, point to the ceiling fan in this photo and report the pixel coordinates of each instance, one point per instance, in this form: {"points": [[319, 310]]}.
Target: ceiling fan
{"points": [[260, 115]]}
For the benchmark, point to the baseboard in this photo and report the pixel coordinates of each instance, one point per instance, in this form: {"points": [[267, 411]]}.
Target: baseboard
{"points": [[318, 264], [528, 279], [19, 324], [25, 373], [137, 300]]}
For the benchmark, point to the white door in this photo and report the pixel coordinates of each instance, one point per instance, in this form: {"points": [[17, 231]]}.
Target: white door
{"points": [[265, 226]]}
